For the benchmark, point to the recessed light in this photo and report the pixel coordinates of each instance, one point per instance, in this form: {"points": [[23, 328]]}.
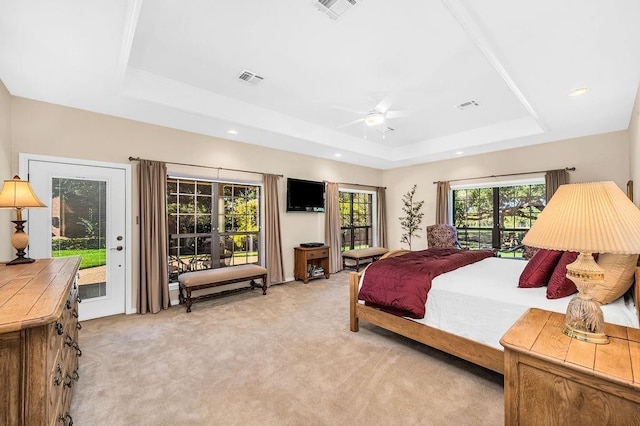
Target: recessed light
{"points": [[337, 154], [459, 152], [232, 132], [578, 92]]}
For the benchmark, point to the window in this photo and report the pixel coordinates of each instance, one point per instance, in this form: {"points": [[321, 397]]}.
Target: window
{"points": [[356, 220], [497, 217], [211, 224]]}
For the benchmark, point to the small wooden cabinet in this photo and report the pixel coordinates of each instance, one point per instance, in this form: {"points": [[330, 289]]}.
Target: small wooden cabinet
{"points": [[551, 379], [38, 341], [308, 260]]}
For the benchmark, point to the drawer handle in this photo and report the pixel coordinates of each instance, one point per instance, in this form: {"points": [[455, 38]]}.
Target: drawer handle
{"points": [[69, 383], [58, 379], [67, 420], [79, 326], [77, 348], [59, 328]]}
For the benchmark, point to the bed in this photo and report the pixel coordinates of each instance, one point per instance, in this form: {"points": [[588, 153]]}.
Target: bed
{"points": [[475, 290]]}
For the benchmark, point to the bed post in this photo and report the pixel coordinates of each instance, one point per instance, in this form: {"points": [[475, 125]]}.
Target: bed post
{"points": [[354, 280]]}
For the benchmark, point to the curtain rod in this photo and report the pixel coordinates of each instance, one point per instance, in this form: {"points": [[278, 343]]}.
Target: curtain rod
{"points": [[357, 184], [204, 167], [569, 169]]}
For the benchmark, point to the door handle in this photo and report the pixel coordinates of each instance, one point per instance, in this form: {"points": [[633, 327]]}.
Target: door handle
{"points": [[119, 248]]}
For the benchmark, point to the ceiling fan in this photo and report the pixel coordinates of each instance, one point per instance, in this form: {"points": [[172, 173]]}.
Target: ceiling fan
{"points": [[377, 116]]}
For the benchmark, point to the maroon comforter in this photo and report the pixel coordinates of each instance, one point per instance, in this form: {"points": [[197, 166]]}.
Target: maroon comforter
{"points": [[400, 285]]}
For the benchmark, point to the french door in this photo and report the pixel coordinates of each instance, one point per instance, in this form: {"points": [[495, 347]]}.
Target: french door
{"points": [[86, 216]]}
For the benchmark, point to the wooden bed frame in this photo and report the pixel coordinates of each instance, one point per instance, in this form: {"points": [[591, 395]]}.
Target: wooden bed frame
{"points": [[477, 353]]}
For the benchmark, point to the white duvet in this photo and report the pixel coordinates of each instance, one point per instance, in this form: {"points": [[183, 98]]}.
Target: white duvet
{"points": [[482, 300]]}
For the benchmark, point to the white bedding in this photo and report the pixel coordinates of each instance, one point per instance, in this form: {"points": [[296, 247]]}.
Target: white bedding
{"points": [[482, 300]]}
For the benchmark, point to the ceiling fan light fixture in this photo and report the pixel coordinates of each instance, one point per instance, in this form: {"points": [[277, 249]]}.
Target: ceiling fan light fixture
{"points": [[374, 119], [578, 92]]}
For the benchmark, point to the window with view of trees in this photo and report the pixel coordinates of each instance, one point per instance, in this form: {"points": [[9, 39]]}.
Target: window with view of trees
{"points": [[497, 217], [356, 220], [211, 224]]}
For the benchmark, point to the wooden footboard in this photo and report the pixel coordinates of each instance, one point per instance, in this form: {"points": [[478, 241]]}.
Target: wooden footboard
{"points": [[474, 352]]}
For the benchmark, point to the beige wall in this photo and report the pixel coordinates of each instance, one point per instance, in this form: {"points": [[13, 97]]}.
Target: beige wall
{"points": [[634, 148], [6, 227], [597, 157], [47, 129]]}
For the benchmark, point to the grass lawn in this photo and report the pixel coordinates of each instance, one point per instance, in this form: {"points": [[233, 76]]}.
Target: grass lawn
{"points": [[90, 258]]}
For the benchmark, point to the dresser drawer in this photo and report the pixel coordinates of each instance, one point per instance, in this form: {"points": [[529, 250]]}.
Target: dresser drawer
{"points": [[55, 387], [318, 254]]}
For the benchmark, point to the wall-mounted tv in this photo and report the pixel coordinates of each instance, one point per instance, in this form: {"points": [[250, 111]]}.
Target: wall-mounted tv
{"points": [[305, 196]]}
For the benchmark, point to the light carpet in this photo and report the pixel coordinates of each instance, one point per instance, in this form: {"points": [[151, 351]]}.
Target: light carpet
{"points": [[287, 358]]}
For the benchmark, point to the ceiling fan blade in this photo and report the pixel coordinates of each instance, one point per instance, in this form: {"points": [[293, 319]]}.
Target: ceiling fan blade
{"points": [[385, 104], [350, 123], [348, 109], [397, 114]]}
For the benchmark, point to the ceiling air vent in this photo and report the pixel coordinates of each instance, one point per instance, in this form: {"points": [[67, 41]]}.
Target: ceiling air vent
{"points": [[467, 105], [250, 77], [334, 9]]}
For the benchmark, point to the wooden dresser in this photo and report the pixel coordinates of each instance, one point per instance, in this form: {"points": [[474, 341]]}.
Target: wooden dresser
{"points": [[551, 379], [38, 341]]}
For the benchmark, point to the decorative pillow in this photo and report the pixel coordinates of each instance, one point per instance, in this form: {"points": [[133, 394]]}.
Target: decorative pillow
{"points": [[539, 268], [559, 285], [442, 236], [619, 270]]}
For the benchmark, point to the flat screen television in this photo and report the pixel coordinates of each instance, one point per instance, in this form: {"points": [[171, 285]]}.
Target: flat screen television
{"points": [[305, 196]]}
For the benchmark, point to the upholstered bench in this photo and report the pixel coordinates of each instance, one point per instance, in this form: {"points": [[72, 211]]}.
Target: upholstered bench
{"points": [[371, 253], [198, 280]]}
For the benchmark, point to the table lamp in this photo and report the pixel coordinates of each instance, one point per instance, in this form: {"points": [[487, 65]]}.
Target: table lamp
{"points": [[17, 194], [587, 218]]}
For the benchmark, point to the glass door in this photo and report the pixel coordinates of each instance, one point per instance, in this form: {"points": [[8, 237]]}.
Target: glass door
{"points": [[85, 216]]}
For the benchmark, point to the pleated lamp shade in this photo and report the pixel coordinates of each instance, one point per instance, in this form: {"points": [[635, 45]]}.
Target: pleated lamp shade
{"points": [[592, 217]]}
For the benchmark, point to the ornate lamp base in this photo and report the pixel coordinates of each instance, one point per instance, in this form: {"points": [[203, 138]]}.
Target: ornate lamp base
{"points": [[584, 319], [585, 336], [20, 241]]}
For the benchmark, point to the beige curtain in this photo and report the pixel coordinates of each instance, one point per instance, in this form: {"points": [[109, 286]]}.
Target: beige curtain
{"points": [[332, 233], [553, 179], [153, 294], [273, 241], [382, 217], [442, 202]]}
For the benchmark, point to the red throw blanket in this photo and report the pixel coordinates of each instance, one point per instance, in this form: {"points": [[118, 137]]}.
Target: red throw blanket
{"points": [[400, 285]]}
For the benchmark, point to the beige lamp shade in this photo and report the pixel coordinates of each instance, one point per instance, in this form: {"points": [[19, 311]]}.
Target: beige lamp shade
{"points": [[592, 217], [17, 193]]}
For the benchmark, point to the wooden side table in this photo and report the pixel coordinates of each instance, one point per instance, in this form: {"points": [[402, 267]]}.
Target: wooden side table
{"points": [[552, 379], [308, 258]]}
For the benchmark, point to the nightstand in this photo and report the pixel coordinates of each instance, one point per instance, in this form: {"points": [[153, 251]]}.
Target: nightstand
{"points": [[311, 263], [551, 379]]}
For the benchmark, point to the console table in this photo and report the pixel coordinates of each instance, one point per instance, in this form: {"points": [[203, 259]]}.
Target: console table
{"points": [[552, 379], [307, 258]]}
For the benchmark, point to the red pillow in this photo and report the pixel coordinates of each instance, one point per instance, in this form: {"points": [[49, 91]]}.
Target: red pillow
{"points": [[539, 268], [559, 285]]}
